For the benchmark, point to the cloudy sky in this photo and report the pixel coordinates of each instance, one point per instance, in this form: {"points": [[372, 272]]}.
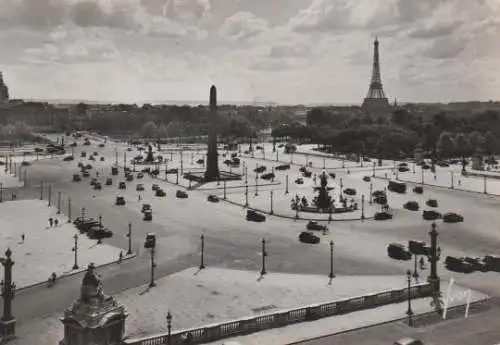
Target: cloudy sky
{"points": [[285, 51]]}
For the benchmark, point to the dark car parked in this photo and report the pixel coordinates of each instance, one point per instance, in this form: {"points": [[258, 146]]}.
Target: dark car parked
{"points": [[255, 217], [308, 237]]}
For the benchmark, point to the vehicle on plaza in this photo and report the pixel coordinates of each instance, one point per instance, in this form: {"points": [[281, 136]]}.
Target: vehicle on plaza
{"points": [[83, 154], [411, 205], [367, 178], [114, 171], [95, 153], [255, 217], [350, 191], [418, 248], [96, 233], [431, 215], [129, 149], [458, 265], [382, 216], [93, 180], [139, 187], [283, 167], [308, 237], [129, 177], [154, 187], [161, 193], [397, 187], [213, 198], [476, 263], [332, 175], [492, 263], [76, 178], [101, 159], [418, 190], [260, 169], [268, 176], [299, 180], [172, 171], [398, 251], [97, 186], [307, 173], [101, 145], [109, 181], [140, 175], [148, 215], [68, 158], [84, 224], [451, 217], [85, 173], [122, 185], [313, 225], [432, 203], [120, 201], [145, 207], [91, 158], [181, 194], [408, 341], [74, 144], [88, 167]]}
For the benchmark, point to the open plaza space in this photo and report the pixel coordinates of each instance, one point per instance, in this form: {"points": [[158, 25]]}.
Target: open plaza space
{"points": [[230, 241]]}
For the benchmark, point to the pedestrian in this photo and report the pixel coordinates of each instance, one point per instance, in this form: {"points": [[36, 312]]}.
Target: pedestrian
{"points": [[56, 222], [51, 221], [120, 257], [459, 183], [422, 263], [22, 238]]}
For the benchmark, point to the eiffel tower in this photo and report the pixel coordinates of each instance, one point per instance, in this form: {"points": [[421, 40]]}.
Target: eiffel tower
{"points": [[375, 99]]}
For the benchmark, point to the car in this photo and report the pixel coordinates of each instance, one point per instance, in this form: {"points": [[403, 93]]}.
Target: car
{"points": [[432, 203], [458, 265], [425, 167], [307, 173], [68, 158], [431, 215], [255, 217], [200, 161], [332, 175], [350, 191], [85, 173], [76, 178], [403, 169], [477, 263], [83, 154], [408, 341], [213, 198], [451, 217], [161, 193], [492, 263], [398, 251], [139, 187], [418, 190], [313, 225], [155, 187], [129, 177], [74, 144], [140, 175], [88, 167], [122, 185], [382, 216], [109, 181], [397, 187], [308, 237], [85, 224], [114, 171], [260, 169], [283, 167], [93, 181], [268, 176], [367, 178], [101, 145], [172, 171], [380, 200], [418, 248], [299, 180], [80, 165], [181, 194], [411, 205], [102, 159], [120, 201], [97, 186], [97, 233], [129, 149], [86, 142], [92, 158], [145, 207], [148, 215], [403, 165]]}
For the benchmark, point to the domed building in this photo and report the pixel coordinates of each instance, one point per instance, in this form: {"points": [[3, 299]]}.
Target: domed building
{"points": [[4, 90]]}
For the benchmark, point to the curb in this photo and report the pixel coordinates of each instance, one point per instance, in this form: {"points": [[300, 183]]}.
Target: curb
{"points": [[482, 301], [441, 187], [75, 272]]}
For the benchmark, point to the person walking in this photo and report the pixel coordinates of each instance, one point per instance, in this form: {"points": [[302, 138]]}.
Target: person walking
{"points": [[51, 221], [56, 222], [22, 238]]}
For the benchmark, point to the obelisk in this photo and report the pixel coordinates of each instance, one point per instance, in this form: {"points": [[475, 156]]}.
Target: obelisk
{"points": [[212, 172]]}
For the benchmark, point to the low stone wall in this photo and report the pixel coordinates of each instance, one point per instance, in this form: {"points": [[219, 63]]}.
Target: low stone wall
{"points": [[261, 322]]}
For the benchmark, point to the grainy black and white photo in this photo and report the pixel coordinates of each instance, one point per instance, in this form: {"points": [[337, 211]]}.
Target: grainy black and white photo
{"points": [[249, 172]]}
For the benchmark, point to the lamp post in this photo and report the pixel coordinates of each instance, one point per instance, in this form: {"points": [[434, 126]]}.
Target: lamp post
{"points": [[415, 267], [58, 202], [177, 176], [373, 173], [264, 254], [169, 328], [41, 190], [50, 194], [271, 200], [277, 156], [422, 175], [202, 263], [435, 254], [182, 162], [331, 275], [1, 191], [414, 166], [124, 160], [324, 163], [75, 249], [25, 178], [371, 193], [330, 210], [341, 190], [485, 192], [82, 212], [224, 184], [69, 209], [409, 312], [153, 266], [286, 184], [307, 160], [451, 177], [296, 209], [256, 184], [8, 288], [129, 236], [246, 195], [363, 207]]}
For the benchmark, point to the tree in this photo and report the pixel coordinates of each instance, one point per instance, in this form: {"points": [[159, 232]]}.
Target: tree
{"points": [[491, 143], [445, 145], [473, 140], [175, 129], [149, 130], [462, 144]]}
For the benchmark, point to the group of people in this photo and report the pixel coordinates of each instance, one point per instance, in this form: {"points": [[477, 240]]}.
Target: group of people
{"points": [[53, 222]]}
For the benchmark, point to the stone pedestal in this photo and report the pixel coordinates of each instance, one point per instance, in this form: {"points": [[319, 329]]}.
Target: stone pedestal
{"points": [[94, 318], [8, 328]]}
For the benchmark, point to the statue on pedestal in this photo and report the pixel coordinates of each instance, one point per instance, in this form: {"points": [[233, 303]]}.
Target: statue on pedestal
{"points": [[323, 200]]}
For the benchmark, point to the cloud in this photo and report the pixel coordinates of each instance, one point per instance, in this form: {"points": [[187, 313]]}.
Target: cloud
{"points": [[438, 30], [243, 25], [445, 48], [289, 50]]}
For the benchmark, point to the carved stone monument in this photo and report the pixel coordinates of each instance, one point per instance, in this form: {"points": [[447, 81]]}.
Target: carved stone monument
{"points": [[418, 153], [212, 172], [94, 318]]}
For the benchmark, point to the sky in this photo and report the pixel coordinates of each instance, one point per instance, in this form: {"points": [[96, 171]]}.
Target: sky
{"points": [[283, 51]]}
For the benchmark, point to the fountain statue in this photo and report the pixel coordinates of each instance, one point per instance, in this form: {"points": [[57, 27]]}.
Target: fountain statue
{"points": [[323, 200]]}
